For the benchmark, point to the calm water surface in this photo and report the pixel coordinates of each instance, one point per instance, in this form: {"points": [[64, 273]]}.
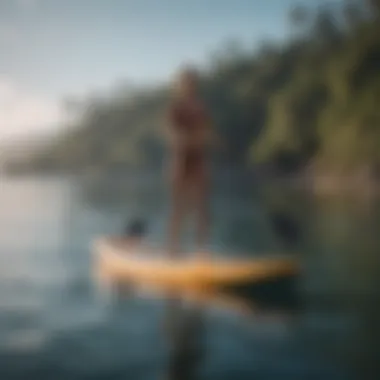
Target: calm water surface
{"points": [[55, 324]]}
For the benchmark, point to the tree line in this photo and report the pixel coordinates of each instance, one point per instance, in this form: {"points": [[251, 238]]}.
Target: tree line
{"points": [[309, 103]]}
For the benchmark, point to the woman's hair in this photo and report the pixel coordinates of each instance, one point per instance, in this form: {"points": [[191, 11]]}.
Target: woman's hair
{"points": [[184, 75]]}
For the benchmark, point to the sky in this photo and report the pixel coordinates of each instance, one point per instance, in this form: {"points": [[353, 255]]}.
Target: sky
{"points": [[53, 49]]}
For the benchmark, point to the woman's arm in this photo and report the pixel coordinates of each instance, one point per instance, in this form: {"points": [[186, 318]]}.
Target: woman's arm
{"points": [[209, 134], [171, 133]]}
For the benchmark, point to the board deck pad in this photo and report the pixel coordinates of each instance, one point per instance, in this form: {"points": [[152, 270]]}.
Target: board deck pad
{"points": [[116, 260]]}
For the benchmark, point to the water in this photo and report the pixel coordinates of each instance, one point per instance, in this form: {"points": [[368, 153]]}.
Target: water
{"points": [[55, 324]]}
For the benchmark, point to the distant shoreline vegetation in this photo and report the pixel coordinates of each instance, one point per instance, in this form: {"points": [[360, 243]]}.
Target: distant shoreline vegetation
{"points": [[309, 107]]}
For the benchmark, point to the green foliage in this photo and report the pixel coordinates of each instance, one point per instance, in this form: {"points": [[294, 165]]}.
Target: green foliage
{"points": [[327, 113]]}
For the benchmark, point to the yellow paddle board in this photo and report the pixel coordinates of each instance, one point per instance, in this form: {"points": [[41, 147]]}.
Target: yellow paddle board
{"points": [[115, 260]]}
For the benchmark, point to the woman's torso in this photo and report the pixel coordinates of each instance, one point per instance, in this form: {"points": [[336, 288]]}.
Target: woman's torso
{"points": [[188, 120]]}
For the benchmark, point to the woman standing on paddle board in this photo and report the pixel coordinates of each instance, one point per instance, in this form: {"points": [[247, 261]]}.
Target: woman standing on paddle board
{"points": [[189, 134]]}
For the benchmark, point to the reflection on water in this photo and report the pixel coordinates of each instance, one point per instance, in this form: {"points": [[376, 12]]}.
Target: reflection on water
{"points": [[190, 340], [55, 325], [184, 333]]}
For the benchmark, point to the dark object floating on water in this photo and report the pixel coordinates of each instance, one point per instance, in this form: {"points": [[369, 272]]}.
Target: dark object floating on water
{"points": [[136, 229], [286, 227]]}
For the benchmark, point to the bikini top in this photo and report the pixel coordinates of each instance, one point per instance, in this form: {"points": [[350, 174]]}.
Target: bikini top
{"points": [[185, 118]]}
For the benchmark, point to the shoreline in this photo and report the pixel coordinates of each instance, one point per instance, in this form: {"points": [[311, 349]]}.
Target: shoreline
{"points": [[321, 185], [317, 184]]}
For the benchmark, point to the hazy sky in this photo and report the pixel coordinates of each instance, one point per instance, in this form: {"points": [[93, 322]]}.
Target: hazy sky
{"points": [[53, 48]]}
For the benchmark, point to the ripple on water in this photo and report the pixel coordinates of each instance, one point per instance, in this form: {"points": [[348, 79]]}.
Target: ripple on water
{"points": [[25, 341]]}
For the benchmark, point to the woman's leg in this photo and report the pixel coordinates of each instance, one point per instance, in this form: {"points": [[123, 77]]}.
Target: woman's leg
{"points": [[177, 213], [202, 209]]}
